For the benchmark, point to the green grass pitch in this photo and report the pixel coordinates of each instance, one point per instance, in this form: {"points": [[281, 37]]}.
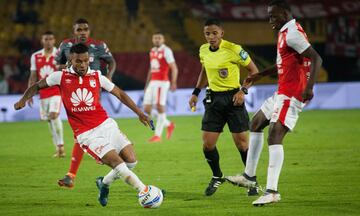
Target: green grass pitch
{"points": [[320, 176]]}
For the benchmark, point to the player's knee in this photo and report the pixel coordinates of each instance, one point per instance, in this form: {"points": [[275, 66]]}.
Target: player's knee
{"points": [[53, 115], [131, 165], [160, 108], [255, 126], [208, 146]]}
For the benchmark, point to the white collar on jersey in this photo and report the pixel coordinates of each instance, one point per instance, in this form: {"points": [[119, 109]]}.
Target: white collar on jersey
{"points": [[71, 70], [53, 52], [291, 22], [159, 48]]}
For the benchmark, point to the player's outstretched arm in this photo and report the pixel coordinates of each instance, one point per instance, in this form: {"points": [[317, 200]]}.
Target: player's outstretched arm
{"points": [[32, 80], [201, 83], [125, 99], [315, 65], [257, 76], [252, 68], [30, 92]]}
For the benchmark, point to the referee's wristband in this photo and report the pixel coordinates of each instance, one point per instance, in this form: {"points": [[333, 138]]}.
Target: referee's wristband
{"points": [[196, 92]]}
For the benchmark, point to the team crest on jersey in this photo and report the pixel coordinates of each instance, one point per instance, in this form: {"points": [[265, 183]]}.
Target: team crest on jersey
{"points": [[223, 72], [160, 55], [92, 83]]}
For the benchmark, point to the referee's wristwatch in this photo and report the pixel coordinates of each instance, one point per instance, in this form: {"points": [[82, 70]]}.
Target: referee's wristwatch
{"points": [[245, 90]]}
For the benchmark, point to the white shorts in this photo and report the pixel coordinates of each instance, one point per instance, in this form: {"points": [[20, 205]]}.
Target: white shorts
{"points": [[282, 108], [102, 139], [49, 105], [156, 92]]}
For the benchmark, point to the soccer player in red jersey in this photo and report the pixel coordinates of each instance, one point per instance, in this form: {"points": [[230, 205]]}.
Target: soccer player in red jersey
{"points": [[98, 51], [96, 133], [158, 84], [42, 65], [297, 66]]}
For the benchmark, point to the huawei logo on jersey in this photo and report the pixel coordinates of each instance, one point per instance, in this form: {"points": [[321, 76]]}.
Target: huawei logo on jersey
{"points": [[82, 96], [46, 71]]}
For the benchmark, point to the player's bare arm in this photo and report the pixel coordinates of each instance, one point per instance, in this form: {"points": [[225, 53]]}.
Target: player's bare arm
{"points": [[32, 79], [148, 79], [174, 75], [201, 83], [316, 62], [30, 92], [111, 68], [251, 79], [239, 97], [125, 99]]}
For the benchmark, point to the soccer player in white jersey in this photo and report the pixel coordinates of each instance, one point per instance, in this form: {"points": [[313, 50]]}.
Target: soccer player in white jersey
{"points": [[96, 133], [158, 84], [42, 65], [297, 65]]}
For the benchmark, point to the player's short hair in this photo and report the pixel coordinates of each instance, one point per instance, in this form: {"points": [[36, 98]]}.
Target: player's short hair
{"points": [[47, 33], [281, 4], [79, 48], [158, 33], [81, 21], [213, 21]]}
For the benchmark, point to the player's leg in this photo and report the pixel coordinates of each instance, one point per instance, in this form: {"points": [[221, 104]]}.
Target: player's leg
{"points": [[258, 123], [56, 124], [76, 157], [277, 132]]}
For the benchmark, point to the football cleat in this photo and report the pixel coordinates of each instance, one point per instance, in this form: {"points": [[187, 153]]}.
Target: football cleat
{"points": [[215, 182], [170, 130], [67, 181], [269, 196], [154, 139], [253, 191], [60, 152], [242, 180], [103, 191]]}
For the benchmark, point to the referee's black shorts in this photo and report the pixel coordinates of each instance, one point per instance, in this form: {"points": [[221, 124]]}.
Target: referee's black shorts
{"points": [[221, 110]]}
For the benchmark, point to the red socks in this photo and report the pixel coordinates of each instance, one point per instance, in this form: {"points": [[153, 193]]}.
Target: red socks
{"points": [[76, 157]]}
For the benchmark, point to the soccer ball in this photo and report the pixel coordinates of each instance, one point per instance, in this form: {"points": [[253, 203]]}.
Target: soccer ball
{"points": [[150, 197]]}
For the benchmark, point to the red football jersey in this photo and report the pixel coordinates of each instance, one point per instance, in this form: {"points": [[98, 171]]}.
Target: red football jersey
{"points": [[81, 98], [44, 67], [293, 69], [160, 58]]}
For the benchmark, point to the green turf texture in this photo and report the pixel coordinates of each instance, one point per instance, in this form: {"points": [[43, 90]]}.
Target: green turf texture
{"points": [[320, 176]]}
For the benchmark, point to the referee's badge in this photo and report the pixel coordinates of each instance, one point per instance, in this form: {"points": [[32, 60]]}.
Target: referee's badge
{"points": [[244, 55], [223, 72]]}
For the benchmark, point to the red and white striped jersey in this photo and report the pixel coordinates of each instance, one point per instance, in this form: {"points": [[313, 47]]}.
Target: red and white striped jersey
{"points": [[160, 58], [293, 69], [44, 67], [81, 97]]}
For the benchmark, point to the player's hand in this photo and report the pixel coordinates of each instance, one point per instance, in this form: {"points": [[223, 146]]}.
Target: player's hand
{"points": [[192, 102], [239, 98], [249, 81], [19, 105], [307, 95], [30, 102], [173, 87], [144, 119]]}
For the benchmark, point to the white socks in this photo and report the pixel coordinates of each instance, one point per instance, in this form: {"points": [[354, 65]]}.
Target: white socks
{"points": [[121, 171], [255, 147], [276, 159], [111, 176], [56, 128], [161, 123]]}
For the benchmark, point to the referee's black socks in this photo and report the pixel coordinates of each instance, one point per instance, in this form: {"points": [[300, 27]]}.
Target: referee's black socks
{"points": [[243, 156], [212, 157]]}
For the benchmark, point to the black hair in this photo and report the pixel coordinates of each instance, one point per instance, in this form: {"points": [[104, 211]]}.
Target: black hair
{"points": [[213, 21], [81, 21], [281, 4], [158, 33], [48, 33], [79, 48]]}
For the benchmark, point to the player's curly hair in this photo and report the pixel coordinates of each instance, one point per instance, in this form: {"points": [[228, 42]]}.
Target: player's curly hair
{"points": [[81, 21], [280, 3], [79, 48]]}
